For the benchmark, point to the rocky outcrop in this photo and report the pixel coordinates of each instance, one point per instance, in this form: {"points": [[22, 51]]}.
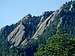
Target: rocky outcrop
{"points": [[26, 29]]}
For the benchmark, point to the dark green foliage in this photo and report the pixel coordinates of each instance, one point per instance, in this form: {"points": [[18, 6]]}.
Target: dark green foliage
{"points": [[58, 45]]}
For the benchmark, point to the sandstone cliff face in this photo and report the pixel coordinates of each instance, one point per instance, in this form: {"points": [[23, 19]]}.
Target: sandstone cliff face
{"points": [[26, 28]]}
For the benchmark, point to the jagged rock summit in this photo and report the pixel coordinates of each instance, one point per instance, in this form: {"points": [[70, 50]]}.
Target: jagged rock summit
{"points": [[26, 28]]}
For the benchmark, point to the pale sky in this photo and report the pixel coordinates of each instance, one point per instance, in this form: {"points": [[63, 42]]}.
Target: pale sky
{"points": [[12, 11]]}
